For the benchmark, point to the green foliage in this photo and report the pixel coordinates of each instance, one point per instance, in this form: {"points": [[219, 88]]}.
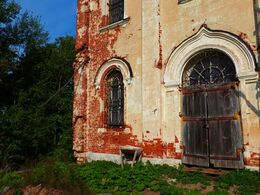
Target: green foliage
{"points": [[103, 177], [106, 177], [38, 175], [8, 11], [33, 121], [18, 34], [248, 182], [12, 180], [58, 175], [219, 192], [193, 178]]}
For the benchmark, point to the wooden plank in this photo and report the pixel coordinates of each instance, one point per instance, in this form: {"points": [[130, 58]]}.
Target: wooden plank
{"points": [[194, 134], [207, 171], [211, 126], [225, 136], [195, 147]]}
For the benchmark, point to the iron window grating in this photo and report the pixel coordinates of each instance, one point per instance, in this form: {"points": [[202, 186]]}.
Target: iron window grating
{"points": [[209, 67], [115, 99], [116, 10]]}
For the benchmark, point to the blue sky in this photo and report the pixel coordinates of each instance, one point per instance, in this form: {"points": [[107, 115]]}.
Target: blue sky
{"points": [[57, 16]]}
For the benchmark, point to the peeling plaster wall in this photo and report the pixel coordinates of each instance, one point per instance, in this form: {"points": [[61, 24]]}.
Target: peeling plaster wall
{"points": [[94, 48], [181, 21], [153, 30]]}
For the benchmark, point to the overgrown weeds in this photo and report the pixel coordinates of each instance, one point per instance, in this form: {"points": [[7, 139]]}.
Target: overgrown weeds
{"points": [[11, 180], [247, 182], [57, 175], [106, 177], [103, 177]]}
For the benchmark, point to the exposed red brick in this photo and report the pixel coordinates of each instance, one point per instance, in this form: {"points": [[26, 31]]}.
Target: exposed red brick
{"points": [[176, 140], [93, 49], [98, 47], [243, 36]]}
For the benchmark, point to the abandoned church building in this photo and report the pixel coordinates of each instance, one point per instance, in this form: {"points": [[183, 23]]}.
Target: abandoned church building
{"points": [[177, 79]]}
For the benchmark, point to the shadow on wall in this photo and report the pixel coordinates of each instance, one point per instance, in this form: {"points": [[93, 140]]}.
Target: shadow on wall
{"points": [[256, 8], [256, 110]]}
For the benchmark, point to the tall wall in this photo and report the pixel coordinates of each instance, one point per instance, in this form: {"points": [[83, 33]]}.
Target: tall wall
{"points": [[146, 40]]}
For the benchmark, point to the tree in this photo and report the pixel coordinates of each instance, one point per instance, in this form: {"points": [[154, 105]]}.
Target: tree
{"points": [[34, 126], [34, 118], [18, 34]]}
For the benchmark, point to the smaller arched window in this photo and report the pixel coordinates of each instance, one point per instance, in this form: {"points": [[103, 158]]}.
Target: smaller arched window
{"points": [[115, 99]]}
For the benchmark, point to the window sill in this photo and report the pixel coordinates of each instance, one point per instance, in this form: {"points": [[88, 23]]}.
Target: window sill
{"points": [[115, 127], [113, 25], [183, 1]]}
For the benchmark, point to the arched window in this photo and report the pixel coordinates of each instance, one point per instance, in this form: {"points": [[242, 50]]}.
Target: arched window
{"points": [[115, 99], [210, 67]]}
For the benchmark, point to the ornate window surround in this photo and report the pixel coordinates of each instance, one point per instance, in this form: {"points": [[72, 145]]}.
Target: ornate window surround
{"points": [[205, 38], [120, 64], [100, 81], [238, 51]]}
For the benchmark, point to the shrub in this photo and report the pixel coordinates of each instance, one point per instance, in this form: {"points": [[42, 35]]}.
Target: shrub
{"points": [[39, 175], [58, 175], [12, 180]]}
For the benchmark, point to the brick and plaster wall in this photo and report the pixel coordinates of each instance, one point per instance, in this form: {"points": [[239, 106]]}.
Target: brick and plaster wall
{"points": [[141, 46]]}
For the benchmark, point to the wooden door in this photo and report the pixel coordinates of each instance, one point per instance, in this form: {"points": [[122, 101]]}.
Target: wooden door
{"points": [[211, 126], [211, 131], [224, 125], [194, 130]]}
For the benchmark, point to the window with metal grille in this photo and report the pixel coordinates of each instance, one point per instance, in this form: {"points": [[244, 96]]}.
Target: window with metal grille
{"points": [[116, 10], [115, 99], [209, 67]]}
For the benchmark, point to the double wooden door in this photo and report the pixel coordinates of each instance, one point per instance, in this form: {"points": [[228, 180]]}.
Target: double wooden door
{"points": [[211, 126]]}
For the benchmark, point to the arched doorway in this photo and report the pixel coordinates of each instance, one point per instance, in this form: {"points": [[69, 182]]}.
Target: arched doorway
{"points": [[211, 126]]}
